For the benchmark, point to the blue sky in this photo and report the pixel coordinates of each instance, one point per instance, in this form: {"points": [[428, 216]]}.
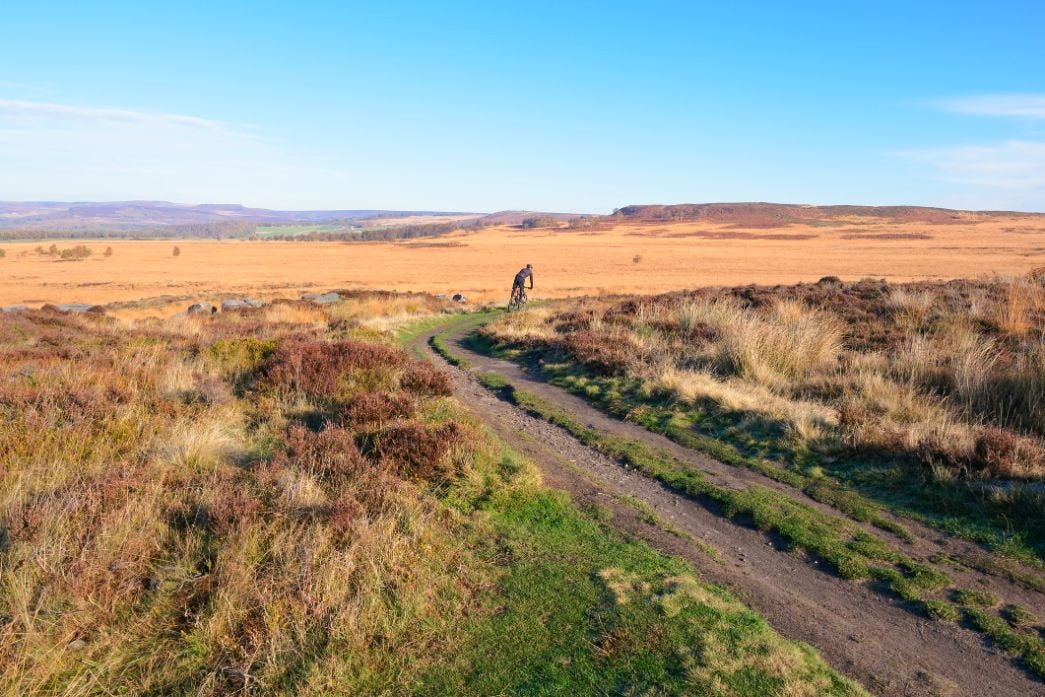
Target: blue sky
{"points": [[566, 106]]}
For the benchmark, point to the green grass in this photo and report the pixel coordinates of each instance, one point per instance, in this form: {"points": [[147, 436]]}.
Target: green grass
{"points": [[1027, 646], [408, 332], [976, 598], [578, 609]]}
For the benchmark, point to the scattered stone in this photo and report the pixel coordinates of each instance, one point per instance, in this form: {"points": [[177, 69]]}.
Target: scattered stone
{"points": [[240, 304], [77, 645], [441, 296], [14, 308], [322, 298], [77, 308], [201, 309], [458, 298]]}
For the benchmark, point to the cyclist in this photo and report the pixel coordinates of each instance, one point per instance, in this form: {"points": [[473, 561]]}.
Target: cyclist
{"points": [[520, 279]]}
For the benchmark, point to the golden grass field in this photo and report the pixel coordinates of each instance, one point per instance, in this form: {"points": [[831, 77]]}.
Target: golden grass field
{"points": [[626, 257]]}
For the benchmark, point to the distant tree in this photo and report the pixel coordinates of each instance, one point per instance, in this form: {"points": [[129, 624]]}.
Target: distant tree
{"points": [[538, 221], [53, 250], [108, 251], [177, 251], [78, 252]]}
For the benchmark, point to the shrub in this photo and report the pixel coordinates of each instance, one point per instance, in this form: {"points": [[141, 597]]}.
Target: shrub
{"points": [[417, 450], [317, 369], [604, 353], [1002, 453], [424, 379], [230, 506], [376, 408], [2, 254], [177, 252], [331, 452], [108, 252], [78, 252], [241, 356]]}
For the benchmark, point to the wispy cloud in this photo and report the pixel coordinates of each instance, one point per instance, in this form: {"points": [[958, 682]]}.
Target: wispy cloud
{"points": [[1004, 175], [23, 108], [1016, 164], [1031, 106], [54, 150]]}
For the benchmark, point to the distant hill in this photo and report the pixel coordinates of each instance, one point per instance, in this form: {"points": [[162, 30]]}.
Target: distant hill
{"points": [[165, 219], [781, 214]]}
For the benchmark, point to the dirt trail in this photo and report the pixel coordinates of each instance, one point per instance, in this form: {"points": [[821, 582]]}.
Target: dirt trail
{"points": [[862, 633]]}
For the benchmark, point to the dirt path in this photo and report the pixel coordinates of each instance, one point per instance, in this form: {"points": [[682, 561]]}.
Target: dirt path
{"points": [[860, 632]]}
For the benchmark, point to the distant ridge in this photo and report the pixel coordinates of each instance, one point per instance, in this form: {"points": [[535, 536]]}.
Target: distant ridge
{"points": [[779, 214], [130, 215]]}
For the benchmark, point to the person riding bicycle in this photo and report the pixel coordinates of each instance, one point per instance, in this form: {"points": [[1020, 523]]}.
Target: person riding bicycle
{"points": [[520, 279]]}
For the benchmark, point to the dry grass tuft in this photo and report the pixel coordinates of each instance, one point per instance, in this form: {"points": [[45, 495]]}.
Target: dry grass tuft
{"points": [[204, 442]]}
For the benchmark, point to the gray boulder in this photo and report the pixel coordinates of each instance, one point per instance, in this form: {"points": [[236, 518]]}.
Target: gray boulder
{"points": [[322, 298], [201, 309], [458, 298], [240, 304], [14, 308], [77, 308]]}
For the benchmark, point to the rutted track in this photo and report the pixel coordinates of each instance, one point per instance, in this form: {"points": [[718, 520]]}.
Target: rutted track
{"points": [[860, 632]]}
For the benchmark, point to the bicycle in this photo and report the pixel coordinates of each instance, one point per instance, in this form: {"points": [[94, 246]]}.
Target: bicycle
{"points": [[518, 299]]}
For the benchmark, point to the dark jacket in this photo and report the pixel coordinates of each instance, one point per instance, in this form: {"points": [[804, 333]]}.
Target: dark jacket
{"points": [[520, 278]]}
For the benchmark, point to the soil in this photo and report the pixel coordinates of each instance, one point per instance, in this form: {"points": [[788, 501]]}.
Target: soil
{"points": [[861, 632]]}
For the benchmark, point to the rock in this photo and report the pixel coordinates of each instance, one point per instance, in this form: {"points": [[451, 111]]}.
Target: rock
{"points": [[322, 298], [442, 296], [77, 645], [76, 308], [201, 309], [14, 308], [240, 304], [458, 298]]}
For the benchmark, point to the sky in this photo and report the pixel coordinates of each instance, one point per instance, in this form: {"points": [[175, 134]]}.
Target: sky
{"points": [[555, 106]]}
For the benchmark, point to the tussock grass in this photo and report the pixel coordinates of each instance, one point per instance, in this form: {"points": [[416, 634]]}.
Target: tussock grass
{"points": [[790, 343]]}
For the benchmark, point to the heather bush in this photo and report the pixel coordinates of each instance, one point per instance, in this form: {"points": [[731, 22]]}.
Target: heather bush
{"points": [[331, 452], [417, 450], [375, 409], [325, 370], [422, 378]]}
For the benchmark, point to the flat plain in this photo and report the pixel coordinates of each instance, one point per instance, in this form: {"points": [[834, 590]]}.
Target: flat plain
{"points": [[616, 256]]}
